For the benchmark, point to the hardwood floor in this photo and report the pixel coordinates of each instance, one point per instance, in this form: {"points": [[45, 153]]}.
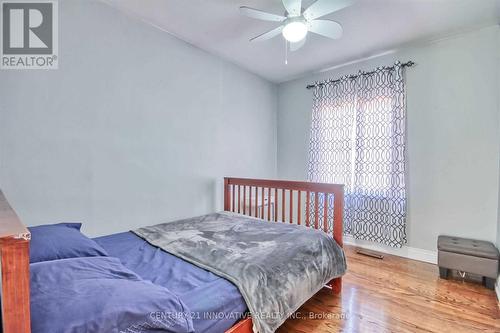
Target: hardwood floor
{"points": [[397, 295]]}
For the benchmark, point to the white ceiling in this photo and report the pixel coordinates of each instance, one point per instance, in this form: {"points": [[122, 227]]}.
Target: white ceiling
{"points": [[370, 27]]}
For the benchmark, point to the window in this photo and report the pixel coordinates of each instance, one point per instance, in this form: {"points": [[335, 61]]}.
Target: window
{"points": [[358, 139]]}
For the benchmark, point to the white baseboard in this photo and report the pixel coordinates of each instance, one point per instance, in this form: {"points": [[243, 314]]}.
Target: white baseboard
{"points": [[497, 289], [405, 251]]}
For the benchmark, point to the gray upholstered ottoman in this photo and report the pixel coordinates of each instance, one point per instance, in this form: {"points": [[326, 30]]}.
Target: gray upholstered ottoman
{"points": [[468, 255]]}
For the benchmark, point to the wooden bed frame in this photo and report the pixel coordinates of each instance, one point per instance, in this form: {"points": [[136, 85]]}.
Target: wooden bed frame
{"points": [[15, 237], [15, 257], [303, 195]]}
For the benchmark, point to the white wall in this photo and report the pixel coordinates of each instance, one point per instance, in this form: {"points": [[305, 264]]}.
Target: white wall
{"points": [[498, 106], [135, 127], [453, 134]]}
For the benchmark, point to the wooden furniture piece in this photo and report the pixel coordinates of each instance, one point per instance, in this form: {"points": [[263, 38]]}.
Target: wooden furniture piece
{"points": [[293, 202], [299, 203], [15, 260], [468, 255]]}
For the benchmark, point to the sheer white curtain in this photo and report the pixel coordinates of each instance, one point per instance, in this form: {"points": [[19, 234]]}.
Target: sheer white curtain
{"points": [[358, 139]]}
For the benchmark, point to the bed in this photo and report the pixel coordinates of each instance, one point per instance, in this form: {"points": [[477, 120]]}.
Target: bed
{"points": [[190, 282], [298, 203]]}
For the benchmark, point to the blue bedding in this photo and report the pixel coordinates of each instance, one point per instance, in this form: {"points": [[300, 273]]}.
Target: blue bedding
{"points": [[215, 303], [98, 294]]}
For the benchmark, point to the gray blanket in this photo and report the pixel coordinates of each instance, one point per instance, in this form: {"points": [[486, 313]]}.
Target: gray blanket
{"points": [[276, 266]]}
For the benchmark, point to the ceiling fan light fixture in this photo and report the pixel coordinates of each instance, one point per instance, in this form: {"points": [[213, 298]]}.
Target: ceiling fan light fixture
{"points": [[297, 22], [295, 31]]}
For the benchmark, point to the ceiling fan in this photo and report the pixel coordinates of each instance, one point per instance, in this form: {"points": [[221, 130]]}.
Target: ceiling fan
{"points": [[297, 22]]}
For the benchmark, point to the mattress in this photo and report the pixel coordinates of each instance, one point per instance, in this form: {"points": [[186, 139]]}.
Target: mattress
{"points": [[216, 303]]}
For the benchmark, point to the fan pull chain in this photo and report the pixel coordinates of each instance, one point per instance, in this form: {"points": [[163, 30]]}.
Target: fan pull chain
{"points": [[286, 52]]}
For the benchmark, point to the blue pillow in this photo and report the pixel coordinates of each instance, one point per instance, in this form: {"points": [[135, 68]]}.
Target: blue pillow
{"points": [[81, 295], [60, 241]]}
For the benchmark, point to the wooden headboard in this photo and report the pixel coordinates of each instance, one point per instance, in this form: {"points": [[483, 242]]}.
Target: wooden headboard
{"points": [[288, 201], [15, 257]]}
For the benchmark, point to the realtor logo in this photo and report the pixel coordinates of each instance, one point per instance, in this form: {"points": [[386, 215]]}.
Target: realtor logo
{"points": [[29, 35]]}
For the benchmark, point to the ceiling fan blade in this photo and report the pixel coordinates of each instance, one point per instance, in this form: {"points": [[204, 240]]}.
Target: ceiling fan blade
{"points": [[298, 45], [260, 15], [268, 35], [327, 28], [293, 7], [324, 7]]}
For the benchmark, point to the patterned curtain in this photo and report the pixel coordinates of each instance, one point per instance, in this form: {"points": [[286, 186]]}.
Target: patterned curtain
{"points": [[358, 136]]}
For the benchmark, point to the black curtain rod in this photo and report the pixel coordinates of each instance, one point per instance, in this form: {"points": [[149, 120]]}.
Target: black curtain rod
{"points": [[406, 64]]}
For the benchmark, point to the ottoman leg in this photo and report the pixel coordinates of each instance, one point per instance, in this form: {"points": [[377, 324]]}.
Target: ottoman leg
{"points": [[489, 282], [443, 273]]}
